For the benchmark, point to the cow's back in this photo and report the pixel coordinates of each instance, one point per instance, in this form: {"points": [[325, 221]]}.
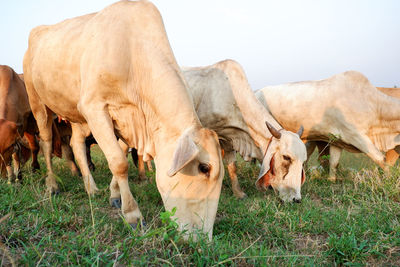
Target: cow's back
{"points": [[14, 104], [217, 109], [322, 106], [62, 58]]}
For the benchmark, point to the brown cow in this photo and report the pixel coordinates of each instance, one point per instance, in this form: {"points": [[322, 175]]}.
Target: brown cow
{"points": [[14, 114]]}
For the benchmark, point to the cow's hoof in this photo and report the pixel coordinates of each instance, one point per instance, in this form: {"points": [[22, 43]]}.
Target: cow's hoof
{"points": [[135, 225], [55, 192], [115, 202]]}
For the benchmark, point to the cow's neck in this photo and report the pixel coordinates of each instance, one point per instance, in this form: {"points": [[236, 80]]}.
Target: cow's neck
{"points": [[165, 106], [254, 114]]}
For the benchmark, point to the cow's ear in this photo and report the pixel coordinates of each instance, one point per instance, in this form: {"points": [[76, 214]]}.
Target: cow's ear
{"points": [[185, 152], [265, 180], [266, 164]]}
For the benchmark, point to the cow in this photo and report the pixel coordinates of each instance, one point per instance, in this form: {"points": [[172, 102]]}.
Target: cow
{"points": [[325, 148], [345, 110], [14, 116], [225, 103], [113, 73]]}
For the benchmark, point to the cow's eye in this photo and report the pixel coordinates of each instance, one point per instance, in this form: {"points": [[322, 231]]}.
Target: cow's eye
{"points": [[287, 158], [205, 168]]}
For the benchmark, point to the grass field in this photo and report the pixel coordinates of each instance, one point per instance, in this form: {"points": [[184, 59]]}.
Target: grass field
{"points": [[354, 221]]}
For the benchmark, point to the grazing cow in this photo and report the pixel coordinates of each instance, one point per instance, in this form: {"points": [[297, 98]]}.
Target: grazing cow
{"points": [[345, 110], [14, 116], [225, 103], [113, 73], [324, 148]]}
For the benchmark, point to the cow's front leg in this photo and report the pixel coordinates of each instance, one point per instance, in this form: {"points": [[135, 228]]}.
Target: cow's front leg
{"points": [[100, 123], [10, 173], [17, 166]]}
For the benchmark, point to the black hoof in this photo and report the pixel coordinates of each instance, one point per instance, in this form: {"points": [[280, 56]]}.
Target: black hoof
{"points": [[116, 203], [135, 225], [55, 193]]}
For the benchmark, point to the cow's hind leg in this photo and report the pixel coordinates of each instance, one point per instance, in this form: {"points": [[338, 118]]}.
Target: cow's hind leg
{"points": [[334, 158], [231, 162], [68, 155], [141, 168], [78, 145], [34, 147], [365, 145], [102, 128]]}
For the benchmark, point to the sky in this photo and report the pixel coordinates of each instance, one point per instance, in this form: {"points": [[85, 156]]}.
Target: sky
{"points": [[275, 41]]}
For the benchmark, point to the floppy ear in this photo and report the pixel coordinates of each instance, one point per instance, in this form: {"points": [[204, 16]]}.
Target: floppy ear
{"points": [[264, 180], [185, 152], [267, 164]]}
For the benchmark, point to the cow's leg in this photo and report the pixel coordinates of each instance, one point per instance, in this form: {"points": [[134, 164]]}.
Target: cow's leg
{"points": [[102, 128], [88, 142], [34, 147], [10, 173], [78, 145], [17, 166], [231, 162], [149, 165], [365, 145], [137, 160], [68, 155], [391, 157], [335, 153], [142, 171]]}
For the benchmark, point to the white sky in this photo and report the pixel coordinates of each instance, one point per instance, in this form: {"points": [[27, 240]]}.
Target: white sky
{"points": [[275, 41]]}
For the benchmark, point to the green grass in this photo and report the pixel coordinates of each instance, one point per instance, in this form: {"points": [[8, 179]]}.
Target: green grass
{"points": [[354, 221]]}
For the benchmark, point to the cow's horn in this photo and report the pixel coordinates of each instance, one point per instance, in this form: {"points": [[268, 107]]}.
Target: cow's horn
{"points": [[300, 131], [275, 133]]}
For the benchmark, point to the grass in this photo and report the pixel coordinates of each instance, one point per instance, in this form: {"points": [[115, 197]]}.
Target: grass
{"points": [[354, 221]]}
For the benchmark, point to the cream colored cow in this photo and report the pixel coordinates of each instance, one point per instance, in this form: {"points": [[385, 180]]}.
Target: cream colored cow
{"points": [[225, 103], [345, 110], [325, 148], [113, 72]]}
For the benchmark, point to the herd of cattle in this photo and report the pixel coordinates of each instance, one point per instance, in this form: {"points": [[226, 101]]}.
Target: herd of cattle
{"points": [[112, 75]]}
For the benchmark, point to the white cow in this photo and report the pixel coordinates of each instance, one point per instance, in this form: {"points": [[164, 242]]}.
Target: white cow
{"points": [[113, 72], [324, 148], [225, 103], [345, 110]]}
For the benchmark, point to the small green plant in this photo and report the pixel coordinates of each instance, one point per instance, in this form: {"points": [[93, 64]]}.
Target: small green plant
{"points": [[170, 225]]}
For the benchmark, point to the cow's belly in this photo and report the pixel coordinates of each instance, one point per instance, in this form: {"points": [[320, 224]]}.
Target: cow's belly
{"points": [[62, 98]]}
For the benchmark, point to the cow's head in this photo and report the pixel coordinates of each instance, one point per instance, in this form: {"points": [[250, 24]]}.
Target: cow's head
{"points": [[189, 177], [282, 166], [8, 138]]}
